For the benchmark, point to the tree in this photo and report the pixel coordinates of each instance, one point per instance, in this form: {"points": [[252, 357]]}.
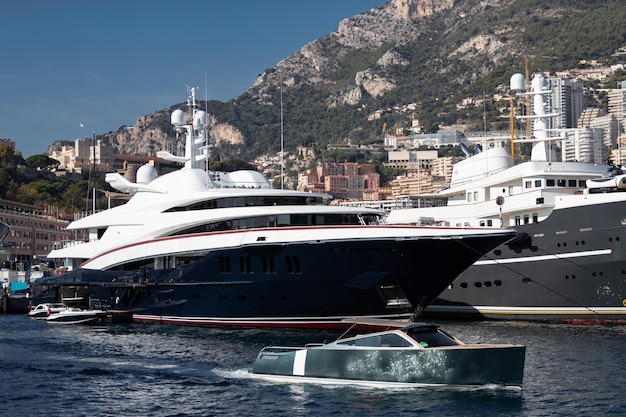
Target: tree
{"points": [[5, 180], [74, 196], [47, 191], [41, 162], [387, 174], [27, 194]]}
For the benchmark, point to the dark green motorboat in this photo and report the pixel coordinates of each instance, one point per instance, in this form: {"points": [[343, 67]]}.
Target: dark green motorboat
{"points": [[417, 354]]}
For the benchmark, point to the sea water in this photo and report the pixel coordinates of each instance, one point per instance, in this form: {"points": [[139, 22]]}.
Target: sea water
{"points": [[170, 370]]}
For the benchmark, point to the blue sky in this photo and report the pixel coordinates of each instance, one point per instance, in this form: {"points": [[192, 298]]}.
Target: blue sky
{"points": [[106, 63]]}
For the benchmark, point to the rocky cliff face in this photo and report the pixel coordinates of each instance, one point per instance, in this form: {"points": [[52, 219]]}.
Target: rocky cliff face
{"points": [[153, 133], [387, 29], [410, 9], [146, 137], [393, 23]]}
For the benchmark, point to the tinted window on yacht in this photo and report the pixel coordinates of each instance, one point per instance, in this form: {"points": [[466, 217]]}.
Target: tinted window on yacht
{"points": [[248, 201], [282, 220]]}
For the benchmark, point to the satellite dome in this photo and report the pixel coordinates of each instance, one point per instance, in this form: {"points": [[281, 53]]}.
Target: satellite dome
{"points": [[146, 174], [178, 117], [246, 179], [518, 82], [200, 118]]}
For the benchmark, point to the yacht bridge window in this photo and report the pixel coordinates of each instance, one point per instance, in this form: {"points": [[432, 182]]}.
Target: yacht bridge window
{"points": [[249, 201], [283, 220], [562, 182]]}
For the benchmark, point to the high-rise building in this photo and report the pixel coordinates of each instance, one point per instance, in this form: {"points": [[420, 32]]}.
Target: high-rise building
{"points": [[566, 99], [610, 129], [617, 105], [583, 145]]}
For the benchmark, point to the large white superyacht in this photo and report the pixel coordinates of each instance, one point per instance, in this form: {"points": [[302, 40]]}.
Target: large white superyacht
{"points": [[568, 263], [214, 248]]}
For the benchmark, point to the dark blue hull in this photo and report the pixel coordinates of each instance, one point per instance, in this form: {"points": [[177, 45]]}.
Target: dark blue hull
{"points": [[312, 284]]}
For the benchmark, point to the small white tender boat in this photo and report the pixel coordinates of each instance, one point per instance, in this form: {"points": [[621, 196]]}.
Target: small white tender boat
{"points": [[417, 354], [77, 315], [74, 315], [43, 310]]}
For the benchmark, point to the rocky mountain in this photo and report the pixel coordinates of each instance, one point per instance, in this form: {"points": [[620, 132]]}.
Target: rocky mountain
{"points": [[407, 58]]}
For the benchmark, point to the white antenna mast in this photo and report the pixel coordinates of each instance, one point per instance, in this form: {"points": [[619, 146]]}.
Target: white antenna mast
{"points": [[207, 162], [282, 137]]}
